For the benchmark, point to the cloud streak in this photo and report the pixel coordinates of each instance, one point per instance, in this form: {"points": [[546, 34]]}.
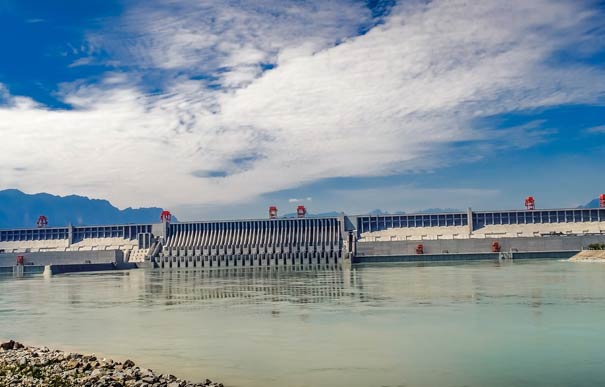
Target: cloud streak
{"points": [[296, 200], [226, 128], [596, 129]]}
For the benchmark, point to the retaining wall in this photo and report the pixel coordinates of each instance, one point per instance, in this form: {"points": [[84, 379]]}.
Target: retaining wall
{"points": [[453, 246], [64, 257], [85, 267], [462, 257], [8, 270]]}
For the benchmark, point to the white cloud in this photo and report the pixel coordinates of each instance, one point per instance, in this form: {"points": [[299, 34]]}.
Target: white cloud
{"points": [[296, 200], [232, 37], [596, 129], [82, 61], [393, 100]]}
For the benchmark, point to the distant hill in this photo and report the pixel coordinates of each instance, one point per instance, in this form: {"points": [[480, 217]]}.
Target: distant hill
{"points": [[592, 204], [437, 211], [18, 209], [425, 211], [309, 215], [376, 212]]}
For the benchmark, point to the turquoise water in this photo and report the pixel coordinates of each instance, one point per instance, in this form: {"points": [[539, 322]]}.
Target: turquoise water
{"points": [[538, 323]]}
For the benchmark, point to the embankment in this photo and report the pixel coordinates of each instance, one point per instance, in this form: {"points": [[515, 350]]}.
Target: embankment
{"points": [[589, 256]]}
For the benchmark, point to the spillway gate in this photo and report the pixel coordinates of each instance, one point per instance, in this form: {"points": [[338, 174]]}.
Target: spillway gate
{"points": [[241, 243]]}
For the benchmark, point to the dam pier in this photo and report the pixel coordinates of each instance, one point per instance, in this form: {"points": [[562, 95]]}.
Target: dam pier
{"points": [[275, 242]]}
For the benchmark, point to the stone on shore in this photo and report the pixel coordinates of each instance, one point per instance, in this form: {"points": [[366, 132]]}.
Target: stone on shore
{"points": [[30, 366]]}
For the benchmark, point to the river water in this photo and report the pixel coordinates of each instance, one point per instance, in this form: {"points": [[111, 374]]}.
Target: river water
{"points": [[527, 323]]}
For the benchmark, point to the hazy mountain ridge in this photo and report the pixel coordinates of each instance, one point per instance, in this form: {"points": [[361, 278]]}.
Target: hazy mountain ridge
{"points": [[18, 209], [424, 211], [592, 204], [310, 215], [376, 212]]}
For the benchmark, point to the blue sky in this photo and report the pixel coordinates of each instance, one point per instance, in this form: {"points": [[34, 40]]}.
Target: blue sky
{"points": [[218, 109]]}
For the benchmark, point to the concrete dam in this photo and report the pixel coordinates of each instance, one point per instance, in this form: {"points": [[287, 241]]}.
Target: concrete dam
{"points": [[275, 242]]}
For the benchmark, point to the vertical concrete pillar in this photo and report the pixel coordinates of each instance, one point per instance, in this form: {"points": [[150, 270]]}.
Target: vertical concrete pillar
{"points": [[164, 230], [70, 235], [469, 215]]}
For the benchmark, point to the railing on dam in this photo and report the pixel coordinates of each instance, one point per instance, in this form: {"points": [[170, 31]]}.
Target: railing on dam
{"points": [[77, 233], [371, 223], [253, 242], [125, 231], [575, 215], [34, 234]]}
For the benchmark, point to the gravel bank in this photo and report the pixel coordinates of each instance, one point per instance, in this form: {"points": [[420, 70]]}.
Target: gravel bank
{"points": [[589, 256], [31, 366]]}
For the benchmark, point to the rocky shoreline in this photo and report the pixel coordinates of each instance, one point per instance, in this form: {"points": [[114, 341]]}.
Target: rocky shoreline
{"points": [[31, 366]]}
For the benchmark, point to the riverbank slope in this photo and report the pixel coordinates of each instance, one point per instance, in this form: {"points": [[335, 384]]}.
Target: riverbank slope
{"points": [[32, 366]]}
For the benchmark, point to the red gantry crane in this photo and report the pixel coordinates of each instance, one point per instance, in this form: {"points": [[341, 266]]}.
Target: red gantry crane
{"points": [[272, 212], [166, 216], [530, 203], [42, 221]]}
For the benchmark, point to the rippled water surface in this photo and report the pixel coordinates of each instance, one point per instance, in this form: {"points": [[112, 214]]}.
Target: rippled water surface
{"points": [[539, 323]]}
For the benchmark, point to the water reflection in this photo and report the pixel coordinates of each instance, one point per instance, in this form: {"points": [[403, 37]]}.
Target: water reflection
{"points": [[375, 286], [414, 325], [303, 285]]}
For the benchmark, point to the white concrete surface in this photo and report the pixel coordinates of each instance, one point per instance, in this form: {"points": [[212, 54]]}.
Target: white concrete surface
{"points": [[492, 231]]}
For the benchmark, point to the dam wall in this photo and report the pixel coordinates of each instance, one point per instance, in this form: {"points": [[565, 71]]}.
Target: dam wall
{"points": [[307, 241], [267, 242], [64, 258], [572, 243], [480, 224], [133, 240], [260, 242], [451, 236]]}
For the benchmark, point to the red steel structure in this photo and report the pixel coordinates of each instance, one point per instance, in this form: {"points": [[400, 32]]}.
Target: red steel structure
{"points": [[272, 212], [496, 247], [301, 211], [602, 200], [530, 203], [166, 216], [42, 221]]}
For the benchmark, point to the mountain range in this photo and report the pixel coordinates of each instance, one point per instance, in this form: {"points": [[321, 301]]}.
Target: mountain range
{"points": [[592, 204], [19, 209], [375, 212]]}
